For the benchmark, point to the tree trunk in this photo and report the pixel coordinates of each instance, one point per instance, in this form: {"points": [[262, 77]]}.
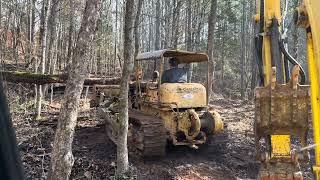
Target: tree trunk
{"points": [[223, 54], [136, 29], [0, 14], [46, 11], [62, 159], [122, 150], [189, 38], [99, 60], [31, 19], [157, 27], [0, 25], [200, 27], [167, 25], [175, 24], [210, 46], [71, 21], [243, 50], [15, 33], [115, 41], [52, 34]]}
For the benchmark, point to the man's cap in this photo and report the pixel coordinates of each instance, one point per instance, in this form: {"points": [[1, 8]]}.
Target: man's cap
{"points": [[173, 61]]}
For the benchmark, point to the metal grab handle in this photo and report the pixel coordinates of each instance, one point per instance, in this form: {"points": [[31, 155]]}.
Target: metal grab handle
{"points": [[307, 148]]}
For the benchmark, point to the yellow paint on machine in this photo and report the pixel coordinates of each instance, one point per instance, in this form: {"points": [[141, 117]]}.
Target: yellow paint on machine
{"points": [[280, 146], [184, 95], [272, 10], [313, 43], [314, 78]]}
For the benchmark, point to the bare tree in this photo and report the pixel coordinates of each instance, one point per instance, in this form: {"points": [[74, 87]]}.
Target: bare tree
{"points": [[243, 49], [210, 47], [1, 28], [175, 23], [62, 159], [43, 42], [51, 34], [71, 24], [188, 36], [122, 150], [136, 28], [0, 12], [157, 27]]}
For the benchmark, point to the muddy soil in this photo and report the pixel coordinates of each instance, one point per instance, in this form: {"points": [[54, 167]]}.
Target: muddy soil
{"points": [[95, 154]]}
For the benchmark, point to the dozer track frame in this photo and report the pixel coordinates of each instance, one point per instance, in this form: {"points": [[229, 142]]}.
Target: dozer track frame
{"points": [[148, 134]]}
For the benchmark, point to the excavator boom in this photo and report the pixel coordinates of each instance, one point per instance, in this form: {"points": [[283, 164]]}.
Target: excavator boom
{"points": [[282, 100], [313, 46]]}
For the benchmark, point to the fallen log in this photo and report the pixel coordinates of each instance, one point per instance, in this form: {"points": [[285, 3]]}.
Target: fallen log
{"points": [[101, 81], [40, 79]]}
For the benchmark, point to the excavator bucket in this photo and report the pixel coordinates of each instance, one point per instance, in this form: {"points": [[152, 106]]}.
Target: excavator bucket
{"points": [[282, 111]]}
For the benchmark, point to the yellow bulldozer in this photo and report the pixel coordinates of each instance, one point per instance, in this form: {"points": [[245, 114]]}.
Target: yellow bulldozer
{"points": [[175, 113]]}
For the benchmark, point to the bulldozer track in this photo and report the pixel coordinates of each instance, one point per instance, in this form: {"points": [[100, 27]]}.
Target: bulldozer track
{"points": [[152, 133], [216, 143]]}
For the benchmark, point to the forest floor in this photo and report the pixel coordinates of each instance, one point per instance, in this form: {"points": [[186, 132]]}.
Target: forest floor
{"points": [[95, 154]]}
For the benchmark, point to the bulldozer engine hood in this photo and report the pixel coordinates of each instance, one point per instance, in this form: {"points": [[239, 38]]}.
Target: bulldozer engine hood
{"points": [[183, 95]]}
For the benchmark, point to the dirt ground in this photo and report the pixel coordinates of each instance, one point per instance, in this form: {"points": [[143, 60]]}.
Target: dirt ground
{"points": [[95, 154]]}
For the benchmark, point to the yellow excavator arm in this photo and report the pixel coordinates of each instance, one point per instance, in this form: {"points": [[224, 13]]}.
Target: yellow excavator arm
{"points": [[309, 13], [282, 100]]}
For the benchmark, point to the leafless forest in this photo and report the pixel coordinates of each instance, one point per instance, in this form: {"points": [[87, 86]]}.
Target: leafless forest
{"points": [[56, 54]]}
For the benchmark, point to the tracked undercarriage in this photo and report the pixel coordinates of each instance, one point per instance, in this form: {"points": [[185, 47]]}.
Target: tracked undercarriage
{"points": [[147, 134]]}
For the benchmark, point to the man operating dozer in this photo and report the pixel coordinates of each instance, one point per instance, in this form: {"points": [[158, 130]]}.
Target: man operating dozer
{"points": [[174, 74]]}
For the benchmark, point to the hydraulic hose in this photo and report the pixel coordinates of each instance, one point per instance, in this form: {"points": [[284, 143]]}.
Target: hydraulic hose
{"points": [[276, 57], [259, 43], [292, 61], [258, 55]]}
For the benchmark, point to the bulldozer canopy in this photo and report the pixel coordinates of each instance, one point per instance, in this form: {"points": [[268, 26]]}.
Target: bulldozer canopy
{"points": [[182, 56]]}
